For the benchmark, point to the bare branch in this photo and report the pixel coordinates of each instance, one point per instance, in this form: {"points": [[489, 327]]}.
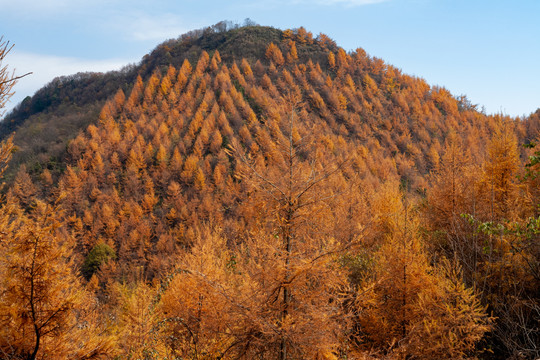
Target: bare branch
{"points": [[7, 79], [15, 78]]}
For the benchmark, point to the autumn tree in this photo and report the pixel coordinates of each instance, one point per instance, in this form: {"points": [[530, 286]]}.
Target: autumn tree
{"points": [[409, 307], [139, 336], [274, 54], [277, 293], [197, 309], [292, 55], [291, 192], [228, 303], [44, 311], [532, 174], [6, 151], [41, 299], [498, 185], [452, 194], [506, 225]]}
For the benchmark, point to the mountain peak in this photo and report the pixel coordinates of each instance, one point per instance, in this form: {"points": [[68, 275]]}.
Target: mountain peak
{"points": [[235, 43]]}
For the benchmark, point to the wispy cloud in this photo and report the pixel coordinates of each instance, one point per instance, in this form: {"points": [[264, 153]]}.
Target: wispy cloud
{"points": [[30, 8], [44, 68], [140, 26], [347, 3], [136, 20], [273, 4]]}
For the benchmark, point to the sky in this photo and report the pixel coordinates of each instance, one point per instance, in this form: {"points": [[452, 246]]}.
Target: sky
{"points": [[488, 50]]}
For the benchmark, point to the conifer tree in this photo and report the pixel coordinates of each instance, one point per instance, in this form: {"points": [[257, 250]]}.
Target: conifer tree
{"points": [[451, 195], [274, 54], [410, 308], [41, 299]]}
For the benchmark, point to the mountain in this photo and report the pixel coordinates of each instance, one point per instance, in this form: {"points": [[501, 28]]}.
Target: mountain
{"points": [[272, 173], [45, 122]]}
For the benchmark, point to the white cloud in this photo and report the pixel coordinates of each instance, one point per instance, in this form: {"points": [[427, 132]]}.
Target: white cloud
{"points": [[45, 68]]}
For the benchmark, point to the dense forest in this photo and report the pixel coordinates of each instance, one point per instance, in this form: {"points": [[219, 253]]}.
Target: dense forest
{"points": [[252, 193]]}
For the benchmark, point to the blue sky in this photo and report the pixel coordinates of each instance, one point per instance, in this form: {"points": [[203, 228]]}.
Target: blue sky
{"points": [[487, 50]]}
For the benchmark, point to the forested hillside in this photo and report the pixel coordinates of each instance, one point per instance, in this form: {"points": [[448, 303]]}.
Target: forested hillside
{"points": [[252, 193]]}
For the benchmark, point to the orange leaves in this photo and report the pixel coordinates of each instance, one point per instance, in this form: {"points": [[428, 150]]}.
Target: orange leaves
{"points": [[202, 64], [165, 85], [370, 85], [197, 301], [454, 320], [274, 54], [292, 55], [331, 60], [444, 101], [303, 36], [159, 167], [498, 186], [199, 180], [137, 320], [216, 60], [42, 300], [410, 307], [227, 302], [136, 160], [246, 68], [317, 101], [288, 34], [191, 169]]}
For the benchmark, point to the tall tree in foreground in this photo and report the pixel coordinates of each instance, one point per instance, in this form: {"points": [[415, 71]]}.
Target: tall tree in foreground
{"points": [[509, 227], [43, 309], [452, 193], [410, 308], [294, 193], [45, 312], [277, 293], [498, 186], [138, 335]]}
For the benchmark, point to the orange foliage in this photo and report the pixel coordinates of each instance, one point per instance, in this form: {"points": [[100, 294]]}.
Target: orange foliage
{"points": [[258, 239]]}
